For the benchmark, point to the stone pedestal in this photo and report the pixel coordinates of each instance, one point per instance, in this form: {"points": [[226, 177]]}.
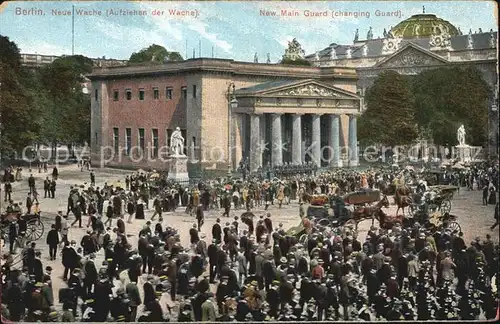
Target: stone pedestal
{"points": [[177, 170], [464, 153]]}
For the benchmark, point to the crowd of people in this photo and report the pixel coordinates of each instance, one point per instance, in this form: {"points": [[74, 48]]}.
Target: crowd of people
{"points": [[251, 269]]}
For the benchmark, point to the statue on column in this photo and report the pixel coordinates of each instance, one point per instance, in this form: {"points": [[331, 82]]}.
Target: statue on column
{"points": [[461, 135], [177, 142], [255, 58], [268, 58], [356, 36]]}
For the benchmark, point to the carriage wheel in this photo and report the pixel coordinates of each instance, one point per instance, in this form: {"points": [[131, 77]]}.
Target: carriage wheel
{"points": [[34, 230], [445, 206], [303, 239], [454, 227]]}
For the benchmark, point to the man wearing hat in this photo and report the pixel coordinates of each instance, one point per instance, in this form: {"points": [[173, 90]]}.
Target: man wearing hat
{"points": [[273, 298], [217, 231]]}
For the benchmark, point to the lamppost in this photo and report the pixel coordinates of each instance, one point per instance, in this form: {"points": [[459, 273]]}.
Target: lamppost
{"points": [[232, 103], [493, 138]]}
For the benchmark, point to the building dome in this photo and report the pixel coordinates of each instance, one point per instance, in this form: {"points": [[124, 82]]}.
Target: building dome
{"points": [[424, 25]]}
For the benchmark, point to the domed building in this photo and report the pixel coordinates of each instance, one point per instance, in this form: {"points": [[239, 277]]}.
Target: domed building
{"points": [[421, 42], [424, 25]]}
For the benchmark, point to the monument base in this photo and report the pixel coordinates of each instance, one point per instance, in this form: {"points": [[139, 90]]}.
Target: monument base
{"points": [[464, 153], [177, 170]]}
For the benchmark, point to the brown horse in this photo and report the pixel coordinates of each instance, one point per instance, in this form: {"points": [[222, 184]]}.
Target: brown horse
{"points": [[387, 222], [306, 198], [368, 212], [402, 198]]}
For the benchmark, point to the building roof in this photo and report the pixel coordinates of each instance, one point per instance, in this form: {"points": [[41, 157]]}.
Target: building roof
{"points": [[266, 86], [375, 46], [424, 25]]}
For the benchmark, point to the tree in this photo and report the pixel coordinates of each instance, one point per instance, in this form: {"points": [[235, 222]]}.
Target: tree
{"points": [[299, 61], [446, 98], [66, 118], [19, 116], [155, 53], [389, 117]]}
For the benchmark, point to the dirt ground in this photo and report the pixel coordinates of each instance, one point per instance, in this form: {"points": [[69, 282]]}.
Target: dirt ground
{"points": [[474, 218]]}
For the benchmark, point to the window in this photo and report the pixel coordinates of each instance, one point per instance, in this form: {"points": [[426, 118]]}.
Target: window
{"points": [[116, 140], [129, 94], [194, 90], [154, 151], [169, 134], [128, 140], [194, 141], [141, 94], [184, 93], [96, 94], [156, 93], [168, 93], [141, 139], [116, 95]]}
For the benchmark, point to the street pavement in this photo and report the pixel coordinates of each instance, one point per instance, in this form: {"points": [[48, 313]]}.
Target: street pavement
{"points": [[474, 218]]}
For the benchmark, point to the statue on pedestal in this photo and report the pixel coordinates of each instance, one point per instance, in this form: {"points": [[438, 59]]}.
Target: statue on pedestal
{"points": [[369, 35], [461, 135], [177, 142]]}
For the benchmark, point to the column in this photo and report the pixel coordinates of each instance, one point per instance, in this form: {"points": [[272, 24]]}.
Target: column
{"points": [[353, 141], [335, 160], [277, 145], [255, 144], [296, 139], [263, 138], [237, 140], [316, 140]]}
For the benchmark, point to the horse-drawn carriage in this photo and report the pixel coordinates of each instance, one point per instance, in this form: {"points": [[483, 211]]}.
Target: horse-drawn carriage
{"points": [[437, 199], [30, 226], [350, 209]]}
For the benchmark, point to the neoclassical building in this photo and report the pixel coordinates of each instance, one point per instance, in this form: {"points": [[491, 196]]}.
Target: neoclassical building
{"points": [[421, 42], [227, 111]]}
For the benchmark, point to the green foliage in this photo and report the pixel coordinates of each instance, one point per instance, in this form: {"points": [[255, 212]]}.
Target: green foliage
{"points": [[389, 117], [449, 97], [67, 117], [18, 114], [299, 61], [438, 101], [156, 54], [45, 105]]}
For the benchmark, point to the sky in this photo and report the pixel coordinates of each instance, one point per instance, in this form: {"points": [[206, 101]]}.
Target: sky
{"points": [[232, 30]]}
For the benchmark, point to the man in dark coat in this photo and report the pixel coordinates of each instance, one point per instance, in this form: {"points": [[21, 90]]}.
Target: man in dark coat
{"points": [[194, 235], [52, 189], [53, 242], [217, 231], [90, 274], [200, 217], [212, 252], [12, 237], [46, 187]]}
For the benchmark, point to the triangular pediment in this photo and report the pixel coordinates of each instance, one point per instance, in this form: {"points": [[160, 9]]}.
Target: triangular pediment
{"points": [[297, 88], [411, 55]]}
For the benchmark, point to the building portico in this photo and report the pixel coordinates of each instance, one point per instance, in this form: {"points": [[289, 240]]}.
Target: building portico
{"points": [[303, 120]]}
